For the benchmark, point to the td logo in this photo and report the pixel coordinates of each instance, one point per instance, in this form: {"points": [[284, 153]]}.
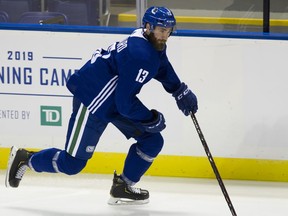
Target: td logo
{"points": [[51, 115]]}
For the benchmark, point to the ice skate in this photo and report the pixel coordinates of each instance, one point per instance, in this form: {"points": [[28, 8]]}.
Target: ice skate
{"points": [[17, 165], [123, 194]]}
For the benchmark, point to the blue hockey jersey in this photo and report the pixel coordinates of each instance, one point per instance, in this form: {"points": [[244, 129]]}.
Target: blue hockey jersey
{"points": [[108, 84]]}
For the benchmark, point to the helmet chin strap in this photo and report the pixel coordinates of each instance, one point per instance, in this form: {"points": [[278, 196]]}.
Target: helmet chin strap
{"points": [[147, 28], [150, 29], [145, 32]]}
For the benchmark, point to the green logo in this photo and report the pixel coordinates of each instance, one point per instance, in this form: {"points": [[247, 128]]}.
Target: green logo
{"points": [[51, 115]]}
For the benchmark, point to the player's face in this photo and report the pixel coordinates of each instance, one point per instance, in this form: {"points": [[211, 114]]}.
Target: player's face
{"points": [[159, 36]]}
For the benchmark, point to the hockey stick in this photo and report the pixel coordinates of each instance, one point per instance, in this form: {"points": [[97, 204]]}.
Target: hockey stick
{"points": [[214, 167]]}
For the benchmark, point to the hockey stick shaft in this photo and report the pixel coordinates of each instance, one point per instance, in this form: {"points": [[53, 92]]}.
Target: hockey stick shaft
{"points": [[213, 165]]}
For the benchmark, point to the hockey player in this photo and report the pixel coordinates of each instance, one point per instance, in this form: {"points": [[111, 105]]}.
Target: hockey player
{"points": [[105, 91]]}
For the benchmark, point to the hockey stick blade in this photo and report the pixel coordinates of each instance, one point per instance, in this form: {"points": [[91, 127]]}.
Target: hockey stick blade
{"points": [[213, 165]]}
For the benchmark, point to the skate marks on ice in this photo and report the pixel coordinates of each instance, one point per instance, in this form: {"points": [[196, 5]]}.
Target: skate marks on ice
{"points": [[127, 211], [46, 201], [85, 195]]}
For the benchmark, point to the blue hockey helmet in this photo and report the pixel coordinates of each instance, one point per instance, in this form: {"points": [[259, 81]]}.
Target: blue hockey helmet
{"points": [[159, 16]]}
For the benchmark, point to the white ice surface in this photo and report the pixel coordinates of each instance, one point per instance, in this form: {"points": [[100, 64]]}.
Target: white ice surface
{"points": [[87, 195]]}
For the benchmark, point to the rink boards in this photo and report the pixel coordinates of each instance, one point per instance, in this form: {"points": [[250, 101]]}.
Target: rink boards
{"points": [[239, 79]]}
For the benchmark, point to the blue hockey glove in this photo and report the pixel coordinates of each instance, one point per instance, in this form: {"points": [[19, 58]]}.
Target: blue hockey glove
{"points": [[157, 124], [185, 99]]}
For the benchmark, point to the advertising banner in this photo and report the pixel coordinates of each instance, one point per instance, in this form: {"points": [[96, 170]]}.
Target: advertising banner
{"points": [[34, 68], [240, 85]]}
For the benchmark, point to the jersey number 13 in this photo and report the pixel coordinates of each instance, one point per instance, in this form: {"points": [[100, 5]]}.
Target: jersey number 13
{"points": [[142, 75]]}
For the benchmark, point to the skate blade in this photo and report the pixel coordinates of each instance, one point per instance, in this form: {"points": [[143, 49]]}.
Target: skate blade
{"points": [[13, 152], [121, 201]]}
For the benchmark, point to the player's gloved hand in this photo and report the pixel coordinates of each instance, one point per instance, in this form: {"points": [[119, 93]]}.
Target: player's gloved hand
{"points": [[157, 124], [186, 100]]}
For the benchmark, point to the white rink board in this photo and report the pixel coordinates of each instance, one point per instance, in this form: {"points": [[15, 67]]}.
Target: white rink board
{"points": [[240, 84]]}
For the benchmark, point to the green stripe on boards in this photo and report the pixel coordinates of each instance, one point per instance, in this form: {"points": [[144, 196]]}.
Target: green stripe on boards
{"points": [[77, 130]]}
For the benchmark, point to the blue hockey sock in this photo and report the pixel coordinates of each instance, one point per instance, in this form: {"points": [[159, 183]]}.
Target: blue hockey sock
{"points": [[136, 164], [54, 160], [42, 161]]}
